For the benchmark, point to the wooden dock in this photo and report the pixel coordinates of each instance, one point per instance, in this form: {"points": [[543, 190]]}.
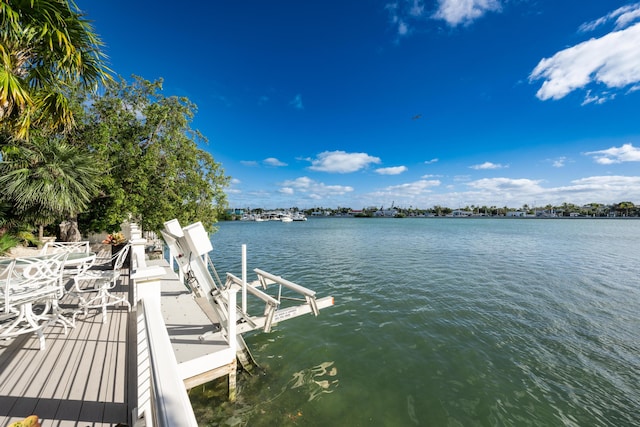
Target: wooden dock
{"points": [[194, 331], [88, 377], [82, 378]]}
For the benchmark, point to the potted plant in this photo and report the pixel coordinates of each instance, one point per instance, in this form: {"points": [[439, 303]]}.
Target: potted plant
{"points": [[117, 242]]}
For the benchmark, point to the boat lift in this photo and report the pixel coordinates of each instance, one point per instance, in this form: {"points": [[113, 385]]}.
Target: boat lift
{"points": [[190, 247]]}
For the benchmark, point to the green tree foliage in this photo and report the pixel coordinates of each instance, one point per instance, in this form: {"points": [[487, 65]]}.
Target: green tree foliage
{"points": [[624, 208], [46, 180], [152, 166], [46, 47]]}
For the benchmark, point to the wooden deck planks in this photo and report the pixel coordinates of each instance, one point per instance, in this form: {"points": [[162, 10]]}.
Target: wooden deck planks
{"points": [[80, 378]]}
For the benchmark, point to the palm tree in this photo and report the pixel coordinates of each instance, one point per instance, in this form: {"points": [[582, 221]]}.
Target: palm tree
{"points": [[625, 207], [47, 180], [46, 47]]}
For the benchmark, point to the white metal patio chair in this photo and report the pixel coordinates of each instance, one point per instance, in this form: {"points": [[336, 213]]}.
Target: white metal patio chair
{"points": [[76, 262], [101, 282], [105, 258], [6, 269], [32, 281]]}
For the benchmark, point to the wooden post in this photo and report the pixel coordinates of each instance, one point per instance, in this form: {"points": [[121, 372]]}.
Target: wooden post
{"points": [[233, 371]]}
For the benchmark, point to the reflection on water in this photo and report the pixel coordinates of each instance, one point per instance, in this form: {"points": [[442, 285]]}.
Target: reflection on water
{"points": [[311, 383], [317, 380]]}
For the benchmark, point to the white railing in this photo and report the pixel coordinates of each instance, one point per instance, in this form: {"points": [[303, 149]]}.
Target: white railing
{"points": [[165, 400], [162, 399], [162, 396]]}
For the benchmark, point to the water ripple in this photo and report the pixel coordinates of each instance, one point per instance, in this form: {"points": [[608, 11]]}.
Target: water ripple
{"points": [[448, 322]]}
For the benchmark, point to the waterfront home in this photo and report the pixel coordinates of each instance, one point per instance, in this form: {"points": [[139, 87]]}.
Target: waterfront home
{"points": [[386, 213]]}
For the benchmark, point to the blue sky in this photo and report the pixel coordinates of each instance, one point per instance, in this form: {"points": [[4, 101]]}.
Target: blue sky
{"points": [[418, 103]]}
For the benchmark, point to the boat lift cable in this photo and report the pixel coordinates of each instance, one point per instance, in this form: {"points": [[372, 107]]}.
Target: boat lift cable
{"points": [[215, 273], [190, 279]]}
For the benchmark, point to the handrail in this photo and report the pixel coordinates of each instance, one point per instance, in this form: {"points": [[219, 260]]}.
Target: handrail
{"points": [[170, 402], [284, 282], [272, 303], [256, 292], [309, 295]]}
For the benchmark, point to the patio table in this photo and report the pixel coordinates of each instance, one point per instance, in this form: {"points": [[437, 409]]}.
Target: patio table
{"points": [[35, 281]]}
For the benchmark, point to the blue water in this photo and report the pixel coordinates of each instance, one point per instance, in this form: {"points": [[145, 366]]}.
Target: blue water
{"points": [[442, 322]]}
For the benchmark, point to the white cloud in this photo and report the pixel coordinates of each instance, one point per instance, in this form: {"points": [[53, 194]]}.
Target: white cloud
{"points": [[397, 170], [235, 181], [307, 185], [297, 102], [341, 161], [599, 98], [559, 162], [488, 165], [428, 162], [251, 163], [413, 188], [403, 29], [403, 11], [286, 190], [404, 192], [502, 191], [609, 182], [515, 192], [405, 14], [456, 12], [272, 161], [600, 189], [417, 8], [612, 60], [626, 153], [623, 17], [506, 184]]}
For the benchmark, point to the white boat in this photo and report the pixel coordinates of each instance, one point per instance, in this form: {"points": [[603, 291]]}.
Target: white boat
{"points": [[299, 217]]}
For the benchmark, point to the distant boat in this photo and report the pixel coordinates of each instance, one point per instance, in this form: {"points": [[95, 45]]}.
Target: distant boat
{"points": [[284, 216], [299, 217]]}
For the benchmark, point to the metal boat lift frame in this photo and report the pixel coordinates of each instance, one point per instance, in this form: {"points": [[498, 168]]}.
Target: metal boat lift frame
{"points": [[190, 247]]}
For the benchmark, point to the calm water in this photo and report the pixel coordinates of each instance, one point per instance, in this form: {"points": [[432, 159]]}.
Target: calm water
{"points": [[443, 322]]}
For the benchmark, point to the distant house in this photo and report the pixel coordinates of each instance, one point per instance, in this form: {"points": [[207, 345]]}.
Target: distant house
{"points": [[517, 214], [460, 213], [546, 214], [389, 213]]}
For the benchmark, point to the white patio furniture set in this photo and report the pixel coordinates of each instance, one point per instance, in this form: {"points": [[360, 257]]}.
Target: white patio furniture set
{"points": [[31, 288]]}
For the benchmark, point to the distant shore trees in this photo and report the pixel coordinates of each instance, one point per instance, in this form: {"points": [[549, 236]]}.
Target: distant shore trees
{"points": [[591, 210]]}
